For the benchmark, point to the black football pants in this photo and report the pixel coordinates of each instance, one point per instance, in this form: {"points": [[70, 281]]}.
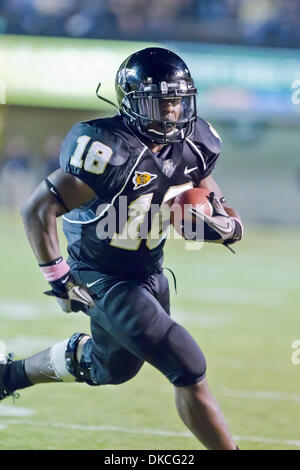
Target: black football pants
{"points": [[130, 324]]}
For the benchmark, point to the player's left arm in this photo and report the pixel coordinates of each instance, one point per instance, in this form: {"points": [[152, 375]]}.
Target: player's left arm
{"points": [[225, 225], [210, 184]]}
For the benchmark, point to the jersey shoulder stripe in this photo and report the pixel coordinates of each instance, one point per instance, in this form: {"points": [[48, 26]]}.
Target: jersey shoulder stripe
{"points": [[206, 137], [205, 143]]}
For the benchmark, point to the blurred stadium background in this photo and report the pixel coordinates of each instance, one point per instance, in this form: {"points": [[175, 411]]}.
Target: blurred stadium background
{"points": [[244, 56]]}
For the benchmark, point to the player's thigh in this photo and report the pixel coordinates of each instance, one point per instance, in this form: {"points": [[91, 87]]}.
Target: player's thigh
{"points": [[157, 284], [111, 362], [137, 321], [108, 361]]}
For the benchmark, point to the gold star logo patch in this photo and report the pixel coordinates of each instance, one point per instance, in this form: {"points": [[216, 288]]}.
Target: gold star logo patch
{"points": [[142, 179]]}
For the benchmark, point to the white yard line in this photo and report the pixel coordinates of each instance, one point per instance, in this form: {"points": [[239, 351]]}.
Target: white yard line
{"points": [[144, 431], [11, 410], [271, 365], [267, 440], [237, 296], [259, 275], [261, 395], [18, 310], [26, 310], [203, 320], [23, 345], [99, 428]]}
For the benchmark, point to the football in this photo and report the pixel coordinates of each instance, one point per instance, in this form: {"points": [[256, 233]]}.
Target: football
{"points": [[181, 218]]}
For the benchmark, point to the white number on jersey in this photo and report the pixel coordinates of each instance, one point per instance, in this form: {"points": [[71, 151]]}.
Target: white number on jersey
{"points": [[97, 156]]}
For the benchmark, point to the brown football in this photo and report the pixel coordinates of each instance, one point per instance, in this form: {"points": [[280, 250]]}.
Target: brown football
{"points": [[197, 198]]}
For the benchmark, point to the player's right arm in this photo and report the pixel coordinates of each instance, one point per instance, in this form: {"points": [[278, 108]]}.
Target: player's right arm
{"points": [[83, 158], [39, 214], [40, 211]]}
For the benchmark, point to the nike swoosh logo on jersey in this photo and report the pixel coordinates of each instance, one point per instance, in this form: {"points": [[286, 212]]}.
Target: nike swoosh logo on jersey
{"points": [[189, 170], [95, 282]]}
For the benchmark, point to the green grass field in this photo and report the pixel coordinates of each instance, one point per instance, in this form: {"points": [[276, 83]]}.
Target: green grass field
{"points": [[242, 309]]}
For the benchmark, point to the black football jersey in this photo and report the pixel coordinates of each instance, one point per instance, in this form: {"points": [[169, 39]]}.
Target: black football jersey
{"points": [[121, 230]]}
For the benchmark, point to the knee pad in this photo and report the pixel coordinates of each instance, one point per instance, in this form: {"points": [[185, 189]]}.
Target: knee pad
{"points": [[125, 371], [189, 367], [62, 361], [81, 371]]}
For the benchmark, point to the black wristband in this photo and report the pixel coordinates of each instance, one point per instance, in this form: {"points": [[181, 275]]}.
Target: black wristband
{"points": [[51, 263]]}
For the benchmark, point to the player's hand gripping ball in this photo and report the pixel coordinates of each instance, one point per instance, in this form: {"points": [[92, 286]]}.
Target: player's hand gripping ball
{"points": [[199, 215], [185, 223]]}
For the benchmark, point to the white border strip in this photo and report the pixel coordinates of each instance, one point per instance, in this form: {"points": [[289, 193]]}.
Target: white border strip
{"points": [[114, 198]]}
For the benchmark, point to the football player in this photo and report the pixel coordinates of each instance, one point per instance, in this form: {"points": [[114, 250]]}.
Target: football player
{"points": [[152, 150]]}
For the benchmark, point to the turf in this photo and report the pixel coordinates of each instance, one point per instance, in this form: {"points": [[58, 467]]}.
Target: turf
{"points": [[243, 309]]}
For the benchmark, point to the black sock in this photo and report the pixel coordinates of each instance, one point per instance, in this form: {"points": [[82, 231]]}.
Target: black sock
{"points": [[15, 377]]}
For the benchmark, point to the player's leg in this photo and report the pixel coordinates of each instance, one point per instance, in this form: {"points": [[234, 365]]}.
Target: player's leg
{"points": [[133, 326], [49, 365], [111, 363], [52, 364], [201, 413], [137, 321], [78, 358], [196, 405]]}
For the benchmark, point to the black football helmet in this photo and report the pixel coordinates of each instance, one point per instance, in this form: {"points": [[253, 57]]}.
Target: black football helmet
{"points": [[156, 95]]}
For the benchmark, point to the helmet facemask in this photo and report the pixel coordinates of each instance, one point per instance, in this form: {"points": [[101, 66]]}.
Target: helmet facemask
{"points": [[156, 95], [163, 115]]}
